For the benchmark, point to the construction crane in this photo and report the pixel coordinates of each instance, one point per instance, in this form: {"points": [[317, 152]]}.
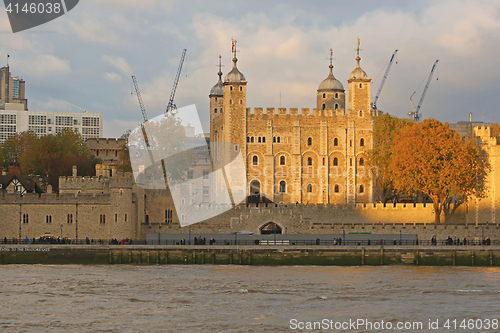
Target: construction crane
{"points": [[171, 107], [374, 104], [77, 107], [414, 114], [144, 115]]}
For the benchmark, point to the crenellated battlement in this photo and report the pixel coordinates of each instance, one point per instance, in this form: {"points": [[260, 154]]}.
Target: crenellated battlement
{"points": [[273, 113], [56, 198]]}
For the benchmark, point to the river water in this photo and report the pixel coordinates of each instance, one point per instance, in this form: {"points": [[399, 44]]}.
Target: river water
{"points": [[128, 298]]}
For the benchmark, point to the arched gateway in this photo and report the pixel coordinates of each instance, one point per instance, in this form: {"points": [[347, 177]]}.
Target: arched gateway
{"points": [[268, 228]]}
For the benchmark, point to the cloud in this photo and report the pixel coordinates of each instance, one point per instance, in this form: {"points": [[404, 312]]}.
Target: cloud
{"points": [[119, 63], [113, 77], [92, 29], [46, 63]]}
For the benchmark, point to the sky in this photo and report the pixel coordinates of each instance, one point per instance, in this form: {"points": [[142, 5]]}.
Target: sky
{"points": [[87, 56]]}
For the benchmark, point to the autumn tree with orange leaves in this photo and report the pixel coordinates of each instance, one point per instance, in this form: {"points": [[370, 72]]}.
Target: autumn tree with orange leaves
{"points": [[431, 158]]}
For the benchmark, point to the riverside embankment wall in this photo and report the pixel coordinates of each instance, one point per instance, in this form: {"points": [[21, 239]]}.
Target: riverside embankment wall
{"points": [[252, 255]]}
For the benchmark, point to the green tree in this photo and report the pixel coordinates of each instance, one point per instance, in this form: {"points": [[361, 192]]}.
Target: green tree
{"points": [[124, 155], [431, 158], [54, 156], [386, 128], [15, 145], [165, 137]]}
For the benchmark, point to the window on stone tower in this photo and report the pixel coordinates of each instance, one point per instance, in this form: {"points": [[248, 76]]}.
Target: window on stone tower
{"points": [[255, 160], [278, 139], [335, 142], [231, 88], [361, 85], [251, 140], [220, 110], [336, 106], [309, 161], [309, 141], [361, 113], [323, 107], [241, 101], [264, 139], [309, 188], [248, 139], [337, 189], [361, 189], [282, 160], [259, 139], [336, 95], [362, 142], [335, 161], [350, 162], [241, 88], [274, 139], [215, 110], [282, 186], [324, 95], [361, 161], [323, 161], [230, 101]]}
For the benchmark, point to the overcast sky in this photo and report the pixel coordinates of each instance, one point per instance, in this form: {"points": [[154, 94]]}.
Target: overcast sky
{"points": [[87, 56]]}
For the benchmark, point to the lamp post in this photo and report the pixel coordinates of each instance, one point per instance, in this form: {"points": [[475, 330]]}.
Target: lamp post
{"points": [[482, 234], [275, 234]]}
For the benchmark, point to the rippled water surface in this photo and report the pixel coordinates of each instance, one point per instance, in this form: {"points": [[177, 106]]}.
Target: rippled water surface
{"points": [[40, 298]]}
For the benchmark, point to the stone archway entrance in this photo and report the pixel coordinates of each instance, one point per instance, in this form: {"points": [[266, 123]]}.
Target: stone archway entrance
{"points": [[268, 229]]}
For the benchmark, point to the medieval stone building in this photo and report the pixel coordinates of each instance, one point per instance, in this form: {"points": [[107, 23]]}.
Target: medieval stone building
{"points": [[311, 156]]}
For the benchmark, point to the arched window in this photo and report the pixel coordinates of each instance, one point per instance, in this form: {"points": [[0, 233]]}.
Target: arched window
{"points": [[282, 160], [278, 139], [361, 85], [241, 101], [309, 141], [230, 101], [362, 142], [248, 139], [264, 139], [323, 161], [361, 189], [324, 95], [324, 106], [336, 95], [335, 142], [336, 189], [259, 139], [220, 110], [336, 106], [241, 88], [309, 188], [361, 113], [168, 216], [282, 186], [309, 161], [215, 110], [231, 88], [274, 139], [350, 162], [335, 161], [251, 140], [255, 160], [361, 161]]}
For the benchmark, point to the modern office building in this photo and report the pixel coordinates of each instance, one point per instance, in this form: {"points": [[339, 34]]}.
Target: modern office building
{"points": [[12, 89], [14, 119]]}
